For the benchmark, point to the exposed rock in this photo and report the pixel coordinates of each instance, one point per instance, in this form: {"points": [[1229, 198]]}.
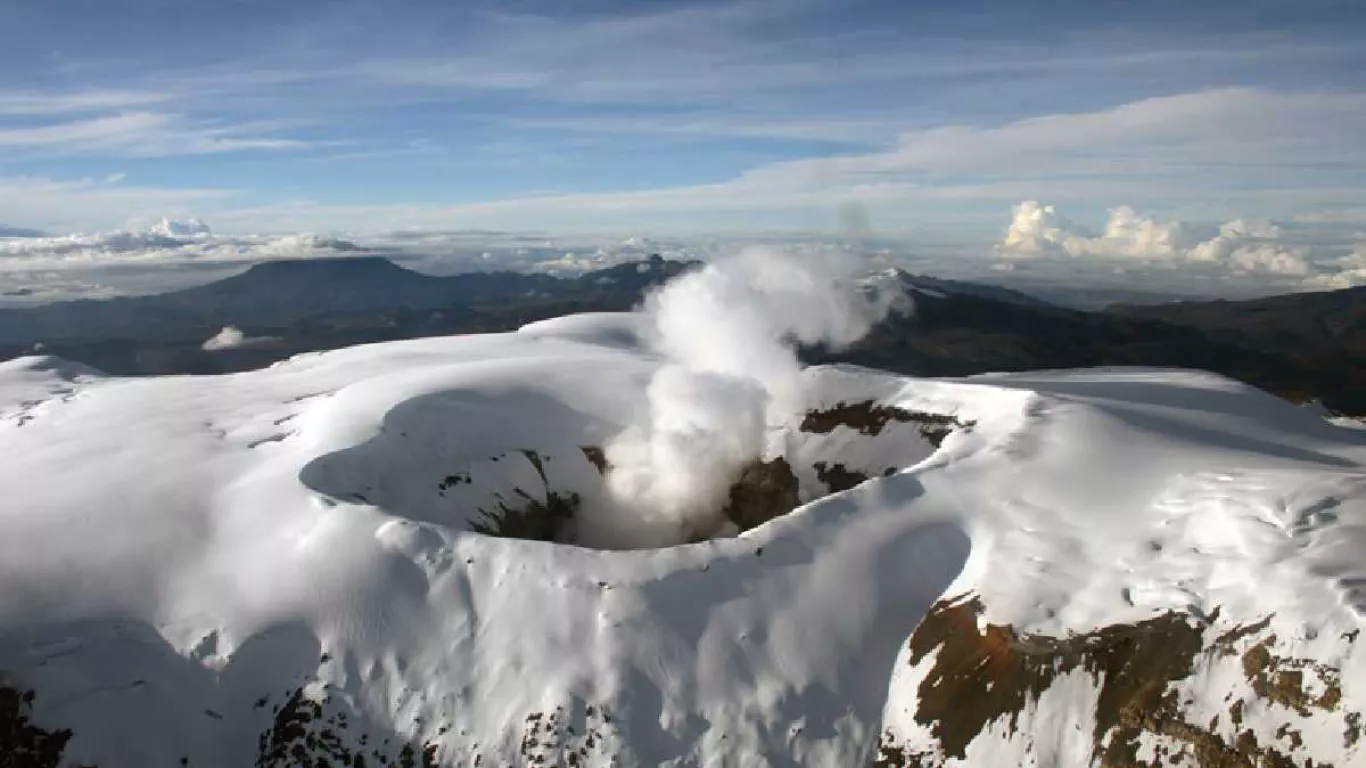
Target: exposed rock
{"points": [[838, 477], [303, 734], [23, 744], [596, 456], [531, 519], [870, 417], [454, 479], [569, 738], [764, 490], [1283, 680], [537, 462], [988, 673], [528, 517]]}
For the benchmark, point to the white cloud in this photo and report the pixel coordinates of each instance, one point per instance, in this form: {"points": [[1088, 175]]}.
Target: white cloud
{"points": [[228, 338], [1351, 271], [1246, 149], [1341, 215], [1231, 236], [1190, 143], [1189, 150], [181, 228], [233, 338], [1241, 246], [1034, 229], [802, 127], [1039, 229], [29, 103], [1253, 246], [141, 134], [170, 254], [712, 52], [167, 242], [1129, 234], [1269, 257], [736, 53], [82, 204]]}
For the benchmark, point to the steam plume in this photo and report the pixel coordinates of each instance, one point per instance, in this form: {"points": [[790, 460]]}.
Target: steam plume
{"points": [[728, 334]]}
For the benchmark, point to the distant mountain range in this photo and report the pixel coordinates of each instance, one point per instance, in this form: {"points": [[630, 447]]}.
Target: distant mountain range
{"points": [[20, 232], [1301, 346], [277, 294], [274, 293]]}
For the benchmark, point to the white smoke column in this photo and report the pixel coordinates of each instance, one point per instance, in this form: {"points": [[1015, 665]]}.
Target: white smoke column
{"points": [[728, 333]]}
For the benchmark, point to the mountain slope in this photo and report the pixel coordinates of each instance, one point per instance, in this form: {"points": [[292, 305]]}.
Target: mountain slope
{"points": [[963, 334], [285, 565], [1315, 330], [937, 287]]}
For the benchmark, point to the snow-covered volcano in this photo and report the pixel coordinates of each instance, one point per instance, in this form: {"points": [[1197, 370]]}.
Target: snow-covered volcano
{"points": [[294, 566]]}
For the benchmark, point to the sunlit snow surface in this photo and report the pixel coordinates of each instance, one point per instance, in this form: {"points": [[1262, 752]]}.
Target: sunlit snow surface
{"points": [[177, 554]]}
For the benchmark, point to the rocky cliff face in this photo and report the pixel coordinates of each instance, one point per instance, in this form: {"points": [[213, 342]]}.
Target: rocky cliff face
{"points": [[1132, 689]]}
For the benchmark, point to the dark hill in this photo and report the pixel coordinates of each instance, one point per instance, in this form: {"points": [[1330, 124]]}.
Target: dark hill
{"points": [[925, 285], [1332, 322], [1302, 347], [281, 292]]}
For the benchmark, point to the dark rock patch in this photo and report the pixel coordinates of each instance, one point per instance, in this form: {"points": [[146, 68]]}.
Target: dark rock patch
{"points": [[552, 738], [764, 490], [303, 734], [992, 674], [1282, 680], [452, 480], [529, 517], [596, 456], [23, 744], [838, 477], [870, 417]]}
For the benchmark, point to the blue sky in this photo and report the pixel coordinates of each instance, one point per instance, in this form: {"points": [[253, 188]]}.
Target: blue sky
{"points": [[928, 118]]}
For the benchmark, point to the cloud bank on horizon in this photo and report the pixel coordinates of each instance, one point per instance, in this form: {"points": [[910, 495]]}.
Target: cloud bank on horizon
{"points": [[1040, 246], [1236, 134], [1240, 247]]}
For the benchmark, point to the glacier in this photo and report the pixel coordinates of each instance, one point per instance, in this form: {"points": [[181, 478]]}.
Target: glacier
{"points": [[286, 566]]}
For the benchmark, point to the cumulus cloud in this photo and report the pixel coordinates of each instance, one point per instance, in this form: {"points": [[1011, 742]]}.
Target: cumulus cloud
{"points": [[1350, 271], [180, 228], [1129, 234], [1034, 229], [1241, 246], [1037, 229], [1253, 246]]}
